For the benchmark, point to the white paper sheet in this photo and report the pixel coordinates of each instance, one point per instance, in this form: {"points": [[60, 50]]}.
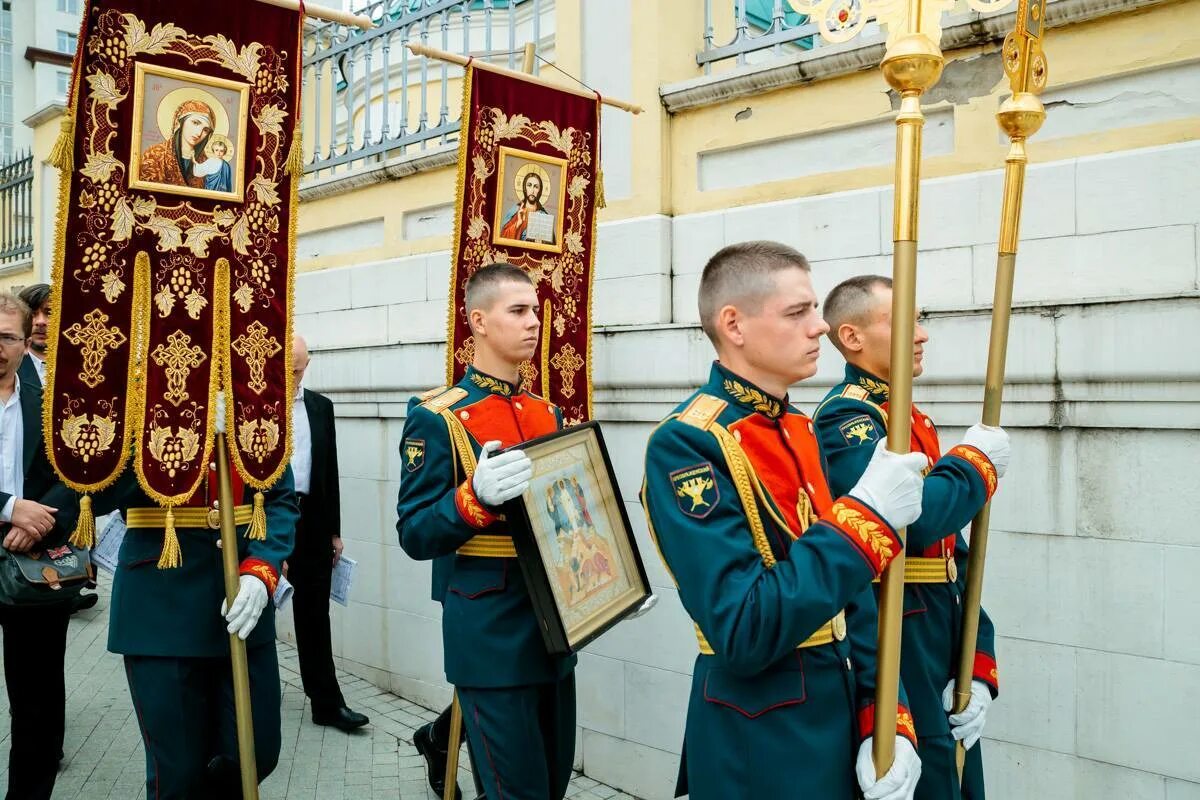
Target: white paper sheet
{"points": [[343, 577], [111, 535]]}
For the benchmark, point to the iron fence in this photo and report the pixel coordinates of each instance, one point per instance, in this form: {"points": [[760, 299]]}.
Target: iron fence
{"points": [[368, 98], [16, 208]]}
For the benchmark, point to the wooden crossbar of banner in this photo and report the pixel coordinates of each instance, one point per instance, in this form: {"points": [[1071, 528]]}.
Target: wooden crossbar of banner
{"points": [[325, 13]]}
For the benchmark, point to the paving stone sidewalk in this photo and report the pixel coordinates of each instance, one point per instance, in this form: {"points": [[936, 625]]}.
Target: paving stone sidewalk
{"points": [[105, 760]]}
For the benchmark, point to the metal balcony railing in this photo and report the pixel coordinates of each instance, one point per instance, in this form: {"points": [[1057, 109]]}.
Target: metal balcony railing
{"points": [[16, 209], [368, 99], [761, 29]]}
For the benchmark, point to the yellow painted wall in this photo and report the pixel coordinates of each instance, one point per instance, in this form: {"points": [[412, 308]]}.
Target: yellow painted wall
{"points": [[44, 137], [1154, 37], [664, 41]]}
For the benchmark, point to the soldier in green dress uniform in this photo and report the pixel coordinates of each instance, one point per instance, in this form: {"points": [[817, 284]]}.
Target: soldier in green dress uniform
{"points": [[850, 422], [173, 628], [773, 568], [518, 701]]}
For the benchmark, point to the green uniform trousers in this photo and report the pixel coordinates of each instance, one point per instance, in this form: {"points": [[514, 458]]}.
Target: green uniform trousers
{"points": [[939, 770], [522, 738], [186, 715]]}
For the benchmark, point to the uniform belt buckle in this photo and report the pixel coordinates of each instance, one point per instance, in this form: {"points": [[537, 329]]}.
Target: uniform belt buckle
{"points": [[214, 518], [951, 568], [838, 624]]}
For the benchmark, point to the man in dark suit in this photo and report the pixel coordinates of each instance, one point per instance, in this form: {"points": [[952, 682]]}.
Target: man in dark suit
{"points": [[36, 512], [33, 366], [33, 372], [318, 546]]}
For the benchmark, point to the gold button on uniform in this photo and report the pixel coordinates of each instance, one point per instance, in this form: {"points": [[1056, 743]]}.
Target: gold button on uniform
{"points": [[464, 415], [518, 405]]}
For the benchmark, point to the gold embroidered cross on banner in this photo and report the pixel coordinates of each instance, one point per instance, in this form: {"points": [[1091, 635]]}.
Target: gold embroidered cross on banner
{"points": [[179, 357], [567, 362], [256, 345], [96, 339]]}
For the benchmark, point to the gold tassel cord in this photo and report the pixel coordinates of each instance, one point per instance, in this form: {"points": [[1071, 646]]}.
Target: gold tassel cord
{"points": [[85, 529], [600, 201], [294, 165], [258, 520], [171, 556], [62, 155]]}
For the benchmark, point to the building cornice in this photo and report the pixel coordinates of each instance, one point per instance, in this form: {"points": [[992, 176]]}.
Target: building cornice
{"points": [[831, 61]]}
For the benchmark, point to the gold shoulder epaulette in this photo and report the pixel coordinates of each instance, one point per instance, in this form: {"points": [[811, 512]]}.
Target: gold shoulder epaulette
{"points": [[444, 400], [432, 393], [855, 392], [703, 411]]}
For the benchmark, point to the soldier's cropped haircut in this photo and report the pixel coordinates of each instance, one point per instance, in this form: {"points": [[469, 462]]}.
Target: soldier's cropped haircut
{"points": [[851, 302], [35, 295], [743, 275], [11, 304], [484, 285]]}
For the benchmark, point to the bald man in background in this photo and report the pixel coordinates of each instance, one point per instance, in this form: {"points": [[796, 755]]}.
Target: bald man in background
{"points": [[318, 546]]}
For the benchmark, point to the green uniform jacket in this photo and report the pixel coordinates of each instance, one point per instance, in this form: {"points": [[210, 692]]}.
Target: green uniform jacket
{"points": [[766, 717], [851, 419], [489, 629], [177, 612]]}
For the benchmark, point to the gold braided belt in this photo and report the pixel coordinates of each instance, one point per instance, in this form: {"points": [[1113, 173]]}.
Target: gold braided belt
{"points": [[185, 517], [487, 545], [929, 570], [832, 631]]}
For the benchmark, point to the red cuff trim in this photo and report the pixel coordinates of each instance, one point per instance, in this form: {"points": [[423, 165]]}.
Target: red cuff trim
{"points": [[866, 530], [261, 570], [986, 671], [470, 509], [980, 462], [904, 723]]}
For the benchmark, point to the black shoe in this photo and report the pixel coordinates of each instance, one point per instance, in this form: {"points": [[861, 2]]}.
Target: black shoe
{"points": [[83, 602], [341, 718], [435, 760]]}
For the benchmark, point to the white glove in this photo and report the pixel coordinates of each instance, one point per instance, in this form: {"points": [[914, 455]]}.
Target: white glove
{"points": [[501, 478], [647, 604], [247, 606], [967, 727], [892, 485], [993, 443], [900, 781]]}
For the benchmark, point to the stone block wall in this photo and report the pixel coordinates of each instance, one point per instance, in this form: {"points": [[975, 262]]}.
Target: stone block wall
{"points": [[1094, 552]]}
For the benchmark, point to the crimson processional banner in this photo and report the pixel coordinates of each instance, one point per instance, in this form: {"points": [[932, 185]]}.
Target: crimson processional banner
{"points": [[173, 271], [528, 185]]}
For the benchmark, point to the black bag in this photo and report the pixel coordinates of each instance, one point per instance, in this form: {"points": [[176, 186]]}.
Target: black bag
{"points": [[44, 577]]}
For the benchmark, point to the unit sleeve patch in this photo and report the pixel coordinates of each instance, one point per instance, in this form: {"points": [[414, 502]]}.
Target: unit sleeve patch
{"points": [[696, 490], [860, 430], [414, 454]]}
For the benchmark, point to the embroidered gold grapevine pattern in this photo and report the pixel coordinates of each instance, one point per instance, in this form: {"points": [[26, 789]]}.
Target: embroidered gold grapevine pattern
{"points": [[111, 213], [565, 272]]}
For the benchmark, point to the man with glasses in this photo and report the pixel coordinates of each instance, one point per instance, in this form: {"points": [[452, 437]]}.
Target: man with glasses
{"points": [[36, 511]]}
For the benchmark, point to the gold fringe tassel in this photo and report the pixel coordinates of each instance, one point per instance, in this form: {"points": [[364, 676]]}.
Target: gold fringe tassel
{"points": [[85, 528], [294, 165], [600, 202], [258, 520], [171, 556], [62, 155]]}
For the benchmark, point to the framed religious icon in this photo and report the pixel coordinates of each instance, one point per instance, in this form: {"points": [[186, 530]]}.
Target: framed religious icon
{"points": [[574, 543], [532, 190], [189, 133]]}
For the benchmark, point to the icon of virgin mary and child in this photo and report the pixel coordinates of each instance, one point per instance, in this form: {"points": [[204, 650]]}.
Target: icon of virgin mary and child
{"points": [[193, 154]]}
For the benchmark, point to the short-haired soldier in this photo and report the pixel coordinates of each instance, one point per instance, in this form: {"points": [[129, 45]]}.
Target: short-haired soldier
{"points": [[773, 568], [851, 422], [518, 702]]}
